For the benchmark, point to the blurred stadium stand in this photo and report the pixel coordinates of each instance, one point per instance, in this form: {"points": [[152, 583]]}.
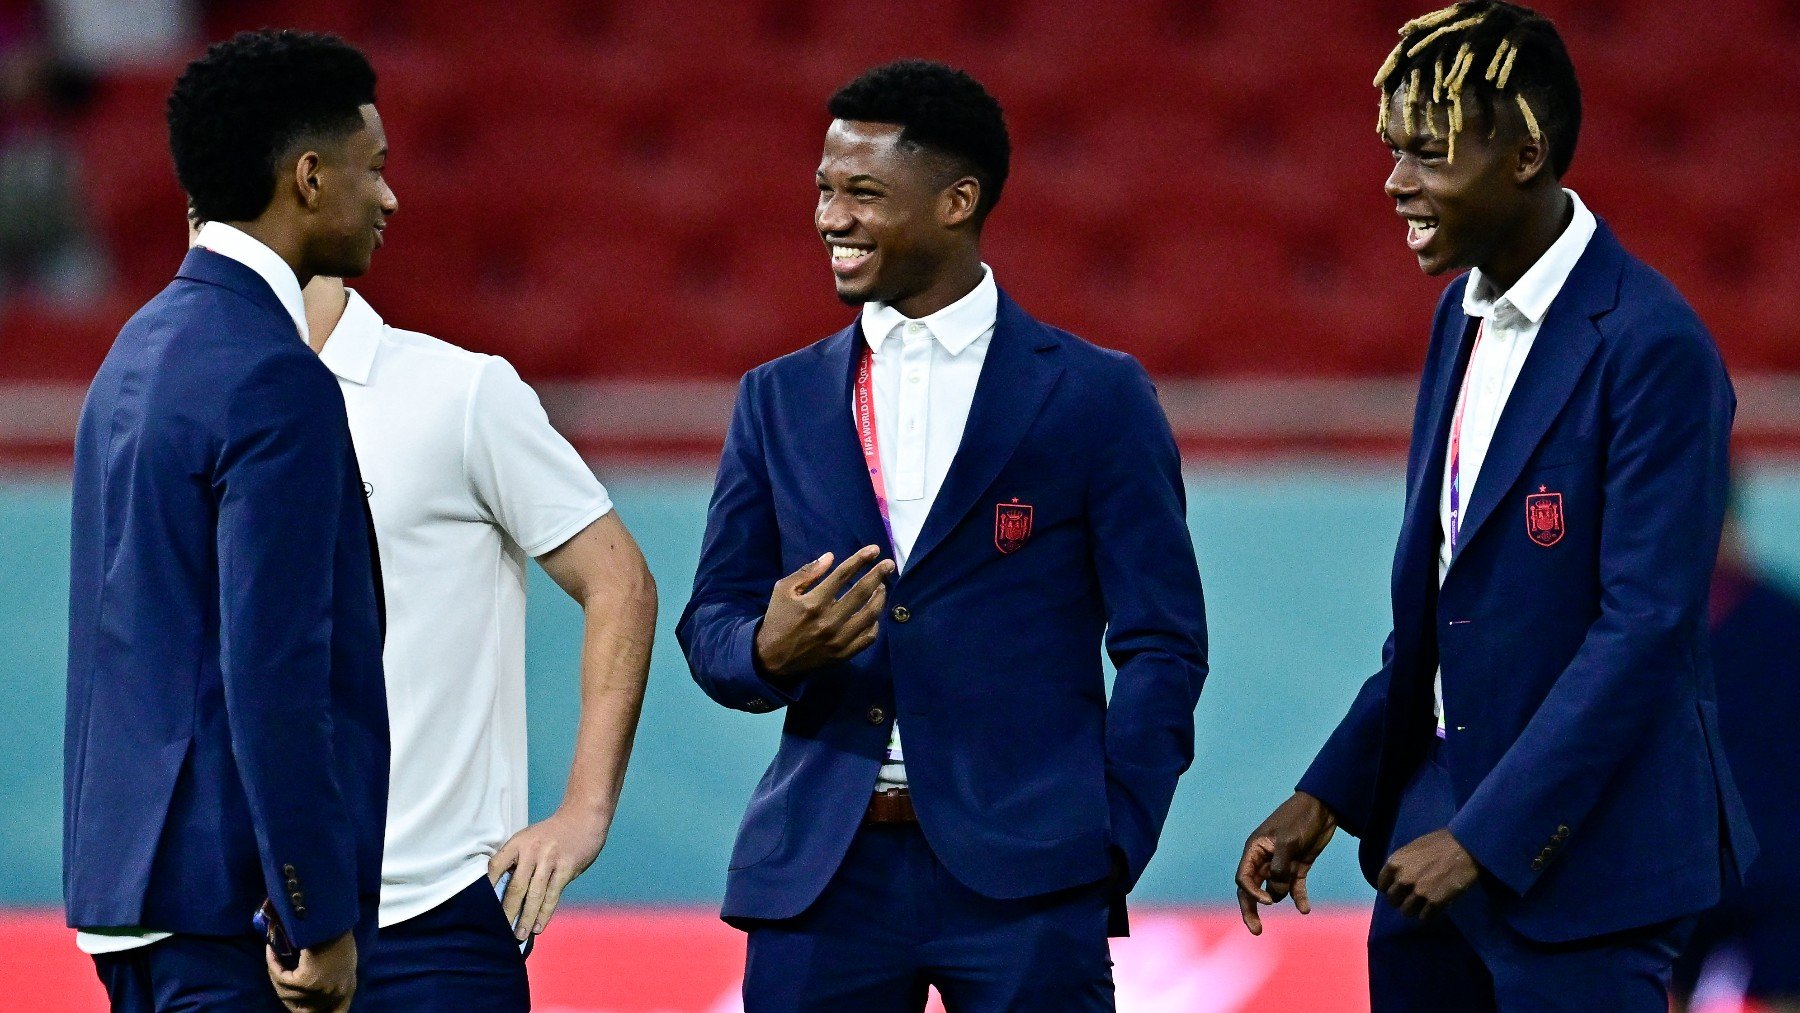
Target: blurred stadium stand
{"points": [[618, 191]]}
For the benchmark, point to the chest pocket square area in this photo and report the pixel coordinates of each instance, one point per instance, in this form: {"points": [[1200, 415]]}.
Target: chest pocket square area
{"points": [[1544, 516], [1012, 526]]}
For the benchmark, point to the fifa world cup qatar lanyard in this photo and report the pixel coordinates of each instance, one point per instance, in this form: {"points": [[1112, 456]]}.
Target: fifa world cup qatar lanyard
{"points": [[870, 439], [1462, 402]]}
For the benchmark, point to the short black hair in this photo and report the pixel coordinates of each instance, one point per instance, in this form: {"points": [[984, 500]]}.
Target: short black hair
{"points": [[940, 109], [1502, 52], [237, 110]]}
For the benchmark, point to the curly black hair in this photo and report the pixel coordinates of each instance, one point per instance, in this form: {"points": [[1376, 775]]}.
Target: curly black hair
{"points": [[940, 109], [236, 111], [1501, 53]]}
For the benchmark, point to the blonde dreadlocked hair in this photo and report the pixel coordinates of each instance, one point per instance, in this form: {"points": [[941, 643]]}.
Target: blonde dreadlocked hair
{"points": [[1492, 52]]}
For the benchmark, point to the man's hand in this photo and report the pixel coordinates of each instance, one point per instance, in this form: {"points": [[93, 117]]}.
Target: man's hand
{"points": [[322, 982], [1422, 878], [1279, 854], [543, 858], [812, 620]]}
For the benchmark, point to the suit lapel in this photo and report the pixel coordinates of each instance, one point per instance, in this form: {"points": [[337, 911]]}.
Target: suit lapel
{"points": [[1565, 343], [1016, 378], [836, 459]]}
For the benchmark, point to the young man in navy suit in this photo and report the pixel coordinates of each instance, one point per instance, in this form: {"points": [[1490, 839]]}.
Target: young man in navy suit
{"points": [[227, 737], [1535, 771], [924, 528]]}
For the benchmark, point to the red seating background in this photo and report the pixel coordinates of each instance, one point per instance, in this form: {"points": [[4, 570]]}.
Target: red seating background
{"points": [[605, 189]]}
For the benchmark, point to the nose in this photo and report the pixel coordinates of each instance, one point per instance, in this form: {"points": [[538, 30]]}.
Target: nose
{"points": [[389, 202], [1404, 180], [832, 217]]}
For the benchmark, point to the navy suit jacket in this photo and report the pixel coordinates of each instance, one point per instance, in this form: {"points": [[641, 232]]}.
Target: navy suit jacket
{"points": [[1583, 744], [1023, 777], [227, 721]]}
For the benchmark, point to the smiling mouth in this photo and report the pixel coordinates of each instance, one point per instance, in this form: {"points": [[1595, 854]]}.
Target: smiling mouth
{"points": [[1420, 231], [847, 260]]}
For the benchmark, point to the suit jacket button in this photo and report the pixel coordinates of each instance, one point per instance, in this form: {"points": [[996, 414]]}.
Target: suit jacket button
{"points": [[1537, 865], [288, 871], [901, 613], [877, 715], [1562, 833], [300, 910], [293, 885]]}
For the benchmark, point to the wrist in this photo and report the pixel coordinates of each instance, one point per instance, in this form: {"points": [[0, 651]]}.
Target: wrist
{"points": [[769, 667]]}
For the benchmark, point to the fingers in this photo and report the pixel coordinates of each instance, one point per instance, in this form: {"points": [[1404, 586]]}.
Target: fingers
{"points": [[504, 859], [1247, 908], [833, 584], [802, 580], [533, 901], [514, 899], [552, 895], [1300, 901], [1253, 869], [866, 587]]}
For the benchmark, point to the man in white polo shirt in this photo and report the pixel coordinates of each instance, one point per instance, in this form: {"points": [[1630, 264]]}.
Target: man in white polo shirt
{"points": [[466, 478]]}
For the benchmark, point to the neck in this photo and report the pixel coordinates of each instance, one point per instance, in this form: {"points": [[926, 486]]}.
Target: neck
{"points": [[326, 301], [275, 234], [958, 278], [1546, 221]]}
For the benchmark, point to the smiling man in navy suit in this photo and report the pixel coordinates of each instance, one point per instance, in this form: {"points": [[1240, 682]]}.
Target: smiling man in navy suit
{"points": [[924, 527], [1535, 771], [227, 736]]}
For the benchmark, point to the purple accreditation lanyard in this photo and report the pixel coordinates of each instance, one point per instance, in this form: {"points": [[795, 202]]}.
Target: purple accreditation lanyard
{"points": [[1462, 399], [870, 440]]}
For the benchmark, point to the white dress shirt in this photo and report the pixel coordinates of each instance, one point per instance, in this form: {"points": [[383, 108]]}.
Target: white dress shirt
{"points": [[924, 382], [465, 479], [1510, 323], [240, 246]]}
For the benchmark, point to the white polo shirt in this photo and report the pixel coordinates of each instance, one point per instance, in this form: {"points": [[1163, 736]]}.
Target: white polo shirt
{"points": [[465, 478]]}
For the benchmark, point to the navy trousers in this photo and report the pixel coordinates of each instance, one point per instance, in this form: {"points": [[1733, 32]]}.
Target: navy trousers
{"points": [[456, 958], [1469, 959], [893, 921], [190, 974]]}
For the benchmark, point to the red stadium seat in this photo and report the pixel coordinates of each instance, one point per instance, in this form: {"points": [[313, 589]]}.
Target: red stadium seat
{"points": [[622, 187]]}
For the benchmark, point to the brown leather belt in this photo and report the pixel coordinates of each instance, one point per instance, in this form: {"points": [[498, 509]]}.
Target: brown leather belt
{"points": [[891, 806]]}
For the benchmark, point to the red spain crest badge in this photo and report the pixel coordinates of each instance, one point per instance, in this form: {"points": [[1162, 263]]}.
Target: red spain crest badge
{"points": [[1012, 526], [1544, 516]]}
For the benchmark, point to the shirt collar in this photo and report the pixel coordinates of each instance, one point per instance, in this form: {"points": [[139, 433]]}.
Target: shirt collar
{"points": [[1537, 288], [249, 251], [956, 326], [350, 348]]}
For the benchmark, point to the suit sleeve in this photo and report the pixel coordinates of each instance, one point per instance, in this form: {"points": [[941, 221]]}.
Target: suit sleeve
{"points": [[1156, 619], [740, 561], [287, 438], [1343, 775], [1670, 408]]}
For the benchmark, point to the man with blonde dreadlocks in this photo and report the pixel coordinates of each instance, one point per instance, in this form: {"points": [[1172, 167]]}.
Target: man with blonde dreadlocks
{"points": [[1534, 771]]}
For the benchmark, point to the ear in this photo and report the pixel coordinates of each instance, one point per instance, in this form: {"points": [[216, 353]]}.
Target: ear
{"points": [[1532, 158], [958, 202], [306, 179]]}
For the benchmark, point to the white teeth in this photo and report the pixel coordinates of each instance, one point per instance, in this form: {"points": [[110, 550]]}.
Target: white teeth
{"points": [[846, 253]]}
